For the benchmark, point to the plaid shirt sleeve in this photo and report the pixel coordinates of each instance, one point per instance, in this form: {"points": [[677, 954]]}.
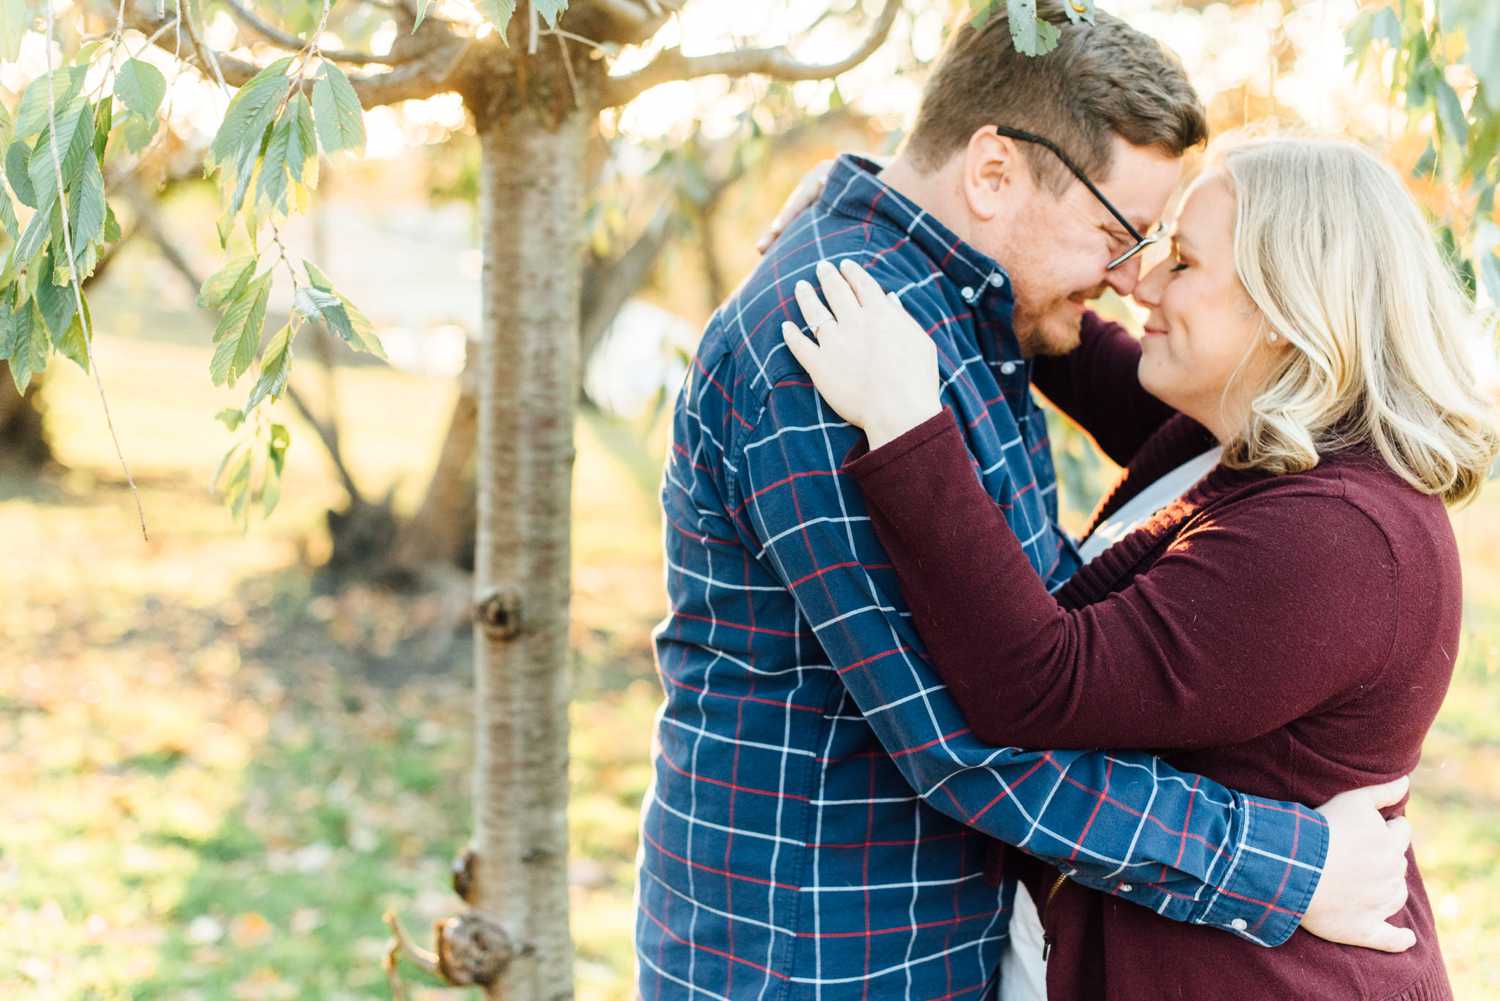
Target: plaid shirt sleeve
{"points": [[1124, 823]]}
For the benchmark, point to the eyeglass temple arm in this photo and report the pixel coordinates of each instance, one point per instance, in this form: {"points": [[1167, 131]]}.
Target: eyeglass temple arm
{"points": [[1077, 172]]}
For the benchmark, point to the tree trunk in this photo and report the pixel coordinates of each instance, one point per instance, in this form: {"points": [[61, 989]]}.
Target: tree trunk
{"points": [[441, 532], [23, 436], [531, 193]]}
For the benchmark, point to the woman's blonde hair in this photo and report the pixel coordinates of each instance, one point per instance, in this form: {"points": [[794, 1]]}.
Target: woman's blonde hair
{"points": [[1386, 347]]}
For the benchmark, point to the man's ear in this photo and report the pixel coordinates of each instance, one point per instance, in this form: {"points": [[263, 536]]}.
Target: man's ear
{"points": [[992, 163]]}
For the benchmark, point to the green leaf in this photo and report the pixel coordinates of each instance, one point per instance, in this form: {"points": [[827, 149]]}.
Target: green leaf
{"points": [[140, 87], [29, 347], [550, 10], [31, 113], [87, 207], [986, 11], [1486, 249], [139, 132], [238, 333], [335, 309], [270, 189], [498, 13], [227, 283], [55, 303], [73, 343], [1079, 11], [103, 122], [302, 141], [34, 236], [275, 366], [280, 439], [252, 109], [111, 225], [336, 108], [15, 18], [1480, 22], [1451, 114], [16, 171], [244, 170], [230, 417], [1032, 36], [422, 6], [316, 276], [8, 218], [74, 142], [1367, 26]]}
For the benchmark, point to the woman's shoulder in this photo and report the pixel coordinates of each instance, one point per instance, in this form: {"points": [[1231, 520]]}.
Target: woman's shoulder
{"points": [[1351, 495]]}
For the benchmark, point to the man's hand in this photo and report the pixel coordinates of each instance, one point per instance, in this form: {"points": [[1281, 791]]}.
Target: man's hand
{"points": [[1364, 878]]}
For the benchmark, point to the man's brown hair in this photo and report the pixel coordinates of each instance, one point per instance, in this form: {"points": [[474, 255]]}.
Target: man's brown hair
{"points": [[1102, 79]]}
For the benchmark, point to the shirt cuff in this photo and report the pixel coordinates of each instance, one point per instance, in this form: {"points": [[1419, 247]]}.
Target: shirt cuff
{"points": [[862, 462], [1273, 874]]}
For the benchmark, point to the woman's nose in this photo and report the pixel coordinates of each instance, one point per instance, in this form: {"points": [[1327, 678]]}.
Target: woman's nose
{"points": [[1148, 290]]}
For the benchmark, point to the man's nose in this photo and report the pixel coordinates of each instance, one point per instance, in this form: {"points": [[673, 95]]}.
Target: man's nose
{"points": [[1126, 277]]}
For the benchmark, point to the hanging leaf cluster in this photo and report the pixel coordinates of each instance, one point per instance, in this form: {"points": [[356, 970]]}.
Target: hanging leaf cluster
{"points": [[1032, 34], [1429, 48]]}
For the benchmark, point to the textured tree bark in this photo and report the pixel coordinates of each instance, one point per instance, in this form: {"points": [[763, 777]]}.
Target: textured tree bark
{"points": [[531, 193]]}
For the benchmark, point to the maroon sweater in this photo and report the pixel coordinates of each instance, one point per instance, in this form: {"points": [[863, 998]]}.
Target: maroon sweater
{"points": [[1288, 636]]}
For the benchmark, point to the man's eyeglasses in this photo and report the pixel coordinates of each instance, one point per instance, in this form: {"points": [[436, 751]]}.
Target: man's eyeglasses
{"points": [[1141, 242]]}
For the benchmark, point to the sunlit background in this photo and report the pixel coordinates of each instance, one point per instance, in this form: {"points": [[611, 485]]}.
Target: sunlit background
{"points": [[222, 765]]}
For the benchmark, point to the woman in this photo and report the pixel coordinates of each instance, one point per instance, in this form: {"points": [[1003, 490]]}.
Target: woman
{"points": [[1274, 596]]}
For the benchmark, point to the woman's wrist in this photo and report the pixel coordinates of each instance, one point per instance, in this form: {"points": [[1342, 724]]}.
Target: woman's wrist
{"points": [[888, 428]]}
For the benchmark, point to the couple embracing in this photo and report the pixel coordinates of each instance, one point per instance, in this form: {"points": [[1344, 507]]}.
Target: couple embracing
{"points": [[917, 742]]}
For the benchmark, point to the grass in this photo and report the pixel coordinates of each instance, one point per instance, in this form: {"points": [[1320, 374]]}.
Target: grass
{"points": [[218, 777]]}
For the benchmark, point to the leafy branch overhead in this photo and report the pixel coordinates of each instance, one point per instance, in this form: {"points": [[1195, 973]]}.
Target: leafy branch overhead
{"points": [[284, 114], [1463, 121]]}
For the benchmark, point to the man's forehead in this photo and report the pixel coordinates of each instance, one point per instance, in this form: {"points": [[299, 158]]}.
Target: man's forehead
{"points": [[1141, 183]]}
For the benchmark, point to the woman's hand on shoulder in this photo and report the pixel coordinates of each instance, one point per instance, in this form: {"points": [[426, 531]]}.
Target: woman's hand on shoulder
{"points": [[872, 361]]}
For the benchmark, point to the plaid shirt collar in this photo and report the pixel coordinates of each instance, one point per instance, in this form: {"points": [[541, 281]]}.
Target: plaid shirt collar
{"points": [[855, 191]]}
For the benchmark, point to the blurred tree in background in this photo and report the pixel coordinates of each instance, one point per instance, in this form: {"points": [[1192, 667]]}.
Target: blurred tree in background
{"points": [[608, 161], [536, 80]]}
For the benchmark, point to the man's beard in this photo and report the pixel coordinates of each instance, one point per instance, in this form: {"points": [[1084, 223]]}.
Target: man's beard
{"points": [[1055, 331]]}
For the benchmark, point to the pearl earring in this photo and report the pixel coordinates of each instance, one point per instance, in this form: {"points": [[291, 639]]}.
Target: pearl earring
{"points": [[1272, 336]]}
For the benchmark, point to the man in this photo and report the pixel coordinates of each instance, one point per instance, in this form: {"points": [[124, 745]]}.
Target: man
{"points": [[818, 816]]}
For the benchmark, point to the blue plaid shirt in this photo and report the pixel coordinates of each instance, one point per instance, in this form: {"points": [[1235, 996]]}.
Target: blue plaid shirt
{"points": [[817, 818]]}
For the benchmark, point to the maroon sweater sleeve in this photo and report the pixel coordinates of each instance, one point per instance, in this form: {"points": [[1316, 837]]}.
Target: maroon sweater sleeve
{"points": [[1096, 385], [1280, 603]]}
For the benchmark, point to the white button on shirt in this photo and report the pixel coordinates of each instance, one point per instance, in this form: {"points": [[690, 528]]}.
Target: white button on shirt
{"points": [[1006, 368], [967, 293]]}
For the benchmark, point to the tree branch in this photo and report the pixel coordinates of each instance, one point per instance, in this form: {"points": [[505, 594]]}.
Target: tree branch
{"points": [[776, 62], [429, 73], [292, 43]]}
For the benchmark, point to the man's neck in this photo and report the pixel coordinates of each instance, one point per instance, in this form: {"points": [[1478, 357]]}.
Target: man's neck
{"points": [[935, 192], [938, 193]]}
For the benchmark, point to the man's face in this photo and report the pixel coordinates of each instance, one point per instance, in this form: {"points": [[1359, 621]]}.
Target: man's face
{"points": [[1056, 247]]}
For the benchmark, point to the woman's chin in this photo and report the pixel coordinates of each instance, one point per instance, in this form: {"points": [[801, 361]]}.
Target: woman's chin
{"points": [[1149, 374]]}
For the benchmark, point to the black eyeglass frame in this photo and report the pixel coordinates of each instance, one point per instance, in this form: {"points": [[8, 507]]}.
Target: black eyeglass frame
{"points": [[1141, 242]]}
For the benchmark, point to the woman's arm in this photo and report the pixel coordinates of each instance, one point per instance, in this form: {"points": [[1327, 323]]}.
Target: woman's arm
{"points": [[1278, 606], [1096, 385]]}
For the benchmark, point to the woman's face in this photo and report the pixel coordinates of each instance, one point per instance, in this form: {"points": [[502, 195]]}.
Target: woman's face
{"points": [[1203, 328]]}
